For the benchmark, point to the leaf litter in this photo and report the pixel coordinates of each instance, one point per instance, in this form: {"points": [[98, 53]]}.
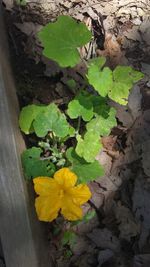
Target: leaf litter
{"points": [[118, 234]]}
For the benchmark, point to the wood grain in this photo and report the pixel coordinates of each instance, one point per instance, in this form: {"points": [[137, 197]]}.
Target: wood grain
{"points": [[22, 236]]}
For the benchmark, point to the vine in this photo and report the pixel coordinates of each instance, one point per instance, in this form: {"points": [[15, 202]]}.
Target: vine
{"points": [[69, 141]]}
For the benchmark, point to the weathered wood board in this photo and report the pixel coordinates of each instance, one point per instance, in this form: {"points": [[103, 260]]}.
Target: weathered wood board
{"points": [[22, 236]]}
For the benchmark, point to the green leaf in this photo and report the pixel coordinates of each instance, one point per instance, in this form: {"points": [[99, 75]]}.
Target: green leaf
{"points": [[100, 106], [85, 171], [51, 120], [97, 62], [127, 74], [89, 147], [81, 106], [28, 115], [124, 78], [86, 218], [101, 80], [116, 84], [89, 215], [33, 166], [62, 38], [120, 92], [103, 125], [69, 238], [43, 119]]}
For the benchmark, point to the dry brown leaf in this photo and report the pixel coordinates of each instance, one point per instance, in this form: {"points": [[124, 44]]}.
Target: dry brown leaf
{"points": [[29, 28], [126, 223]]}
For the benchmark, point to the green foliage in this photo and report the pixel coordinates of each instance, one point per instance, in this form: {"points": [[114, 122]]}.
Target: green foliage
{"points": [[62, 38], [21, 2], [101, 80], [51, 120], [116, 84], [61, 41], [89, 146], [28, 115], [69, 238], [103, 125], [90, 215], [100, 106], [42, 119], [81, 106], [33, 165], [124, 78], [85, 171]]}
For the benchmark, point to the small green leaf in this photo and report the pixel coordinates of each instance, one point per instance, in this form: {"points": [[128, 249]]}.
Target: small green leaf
{"points": [[89, 215], [100, 106], [116, 84], [101, 80], [126, 74], [85, 171], [62, 38], [81, 106], [69, 238], [97, 62], [124, 78], [28, 115], [33, 166], [103, 125], [71, 83], [120, 92], [89, 147]]}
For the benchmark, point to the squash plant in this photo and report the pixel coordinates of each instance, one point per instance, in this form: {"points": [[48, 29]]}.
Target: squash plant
{"points": [[71, 140]]}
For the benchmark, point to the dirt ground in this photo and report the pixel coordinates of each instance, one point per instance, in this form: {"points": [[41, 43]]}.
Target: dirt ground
{"points": [[119, 233]]}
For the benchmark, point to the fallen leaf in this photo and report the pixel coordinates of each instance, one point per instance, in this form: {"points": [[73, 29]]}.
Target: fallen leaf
{"points": [[141, 207], [104, 256], [9, 4], [104, 239], [29, 28], [126, 223]]}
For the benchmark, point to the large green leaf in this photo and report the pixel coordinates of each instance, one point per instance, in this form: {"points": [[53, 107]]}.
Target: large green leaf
{"points": [[28, 115], [33, 166], [124, 78], [85, 171], [88, 147], [100, 106], [127, 74], [51, 120], [103, 125], [101, 80], [43, 119], [81, 106], [62, 38], [116, 84]]}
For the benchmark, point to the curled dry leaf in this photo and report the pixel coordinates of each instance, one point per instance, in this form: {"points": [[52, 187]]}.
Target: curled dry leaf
{"points": [[126, 223]]}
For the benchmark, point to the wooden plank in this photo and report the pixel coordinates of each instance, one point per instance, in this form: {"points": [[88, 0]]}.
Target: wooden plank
{"points": [[22, 236]]}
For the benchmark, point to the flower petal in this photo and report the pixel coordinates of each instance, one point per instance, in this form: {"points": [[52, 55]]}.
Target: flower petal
{"points": [[80, 194], [47, 208], [69, 210], [65, 178], [45, 186]]}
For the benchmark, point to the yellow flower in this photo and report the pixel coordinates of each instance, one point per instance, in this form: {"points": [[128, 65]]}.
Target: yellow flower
{"points": [[60, 194]]}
